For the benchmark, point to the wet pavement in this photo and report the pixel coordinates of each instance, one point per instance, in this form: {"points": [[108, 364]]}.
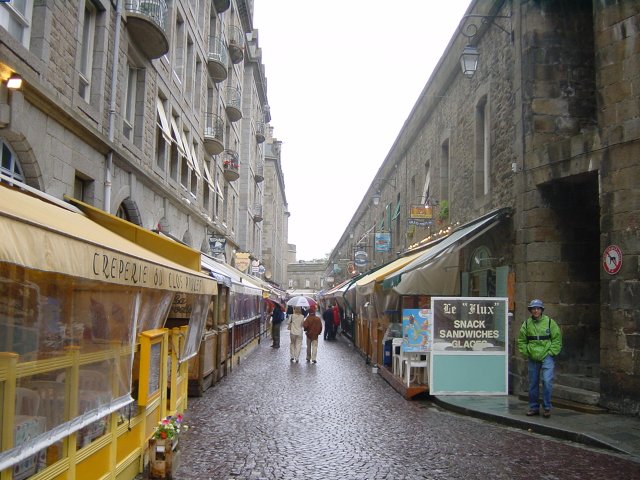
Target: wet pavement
{"points": [[273, 419]]}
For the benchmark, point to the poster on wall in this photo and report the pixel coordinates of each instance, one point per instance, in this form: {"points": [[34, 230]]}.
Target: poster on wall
{"points": [[383, 241], [469, 352], [416, 329]]}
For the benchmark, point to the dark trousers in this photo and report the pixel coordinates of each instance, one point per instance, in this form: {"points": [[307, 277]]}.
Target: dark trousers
{"points": [[327, 334], [275, 333]]}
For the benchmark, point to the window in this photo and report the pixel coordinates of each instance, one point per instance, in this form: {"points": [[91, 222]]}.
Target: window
{"points": [[444, 171], [427, 183], [189, 73], [483, 149], [83, 188], [86, 50], [130, 102], [178, 50], [15, 17], [10, 164], [163, 135], [195, 172], [177, 151]]}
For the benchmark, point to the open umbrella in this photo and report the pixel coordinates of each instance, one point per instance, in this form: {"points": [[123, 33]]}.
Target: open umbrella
{"points": [[302, 301]]}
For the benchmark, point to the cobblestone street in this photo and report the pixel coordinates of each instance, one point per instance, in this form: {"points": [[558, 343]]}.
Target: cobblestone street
{"points": [[273, 419]]}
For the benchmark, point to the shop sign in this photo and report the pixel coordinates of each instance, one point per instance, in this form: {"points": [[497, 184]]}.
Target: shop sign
{"points": [[421, 211], [181, 307], [360, 258], [242, 261], [383, 241], [216, 244], [419, 222], [612, 259], [469, 351]]}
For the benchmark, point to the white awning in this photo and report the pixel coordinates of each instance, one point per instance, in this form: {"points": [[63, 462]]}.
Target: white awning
{"points": [[164, 121], [435, 272]]}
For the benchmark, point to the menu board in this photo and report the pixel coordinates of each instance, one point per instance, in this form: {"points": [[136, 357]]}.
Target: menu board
{"points": [[154, 368]]}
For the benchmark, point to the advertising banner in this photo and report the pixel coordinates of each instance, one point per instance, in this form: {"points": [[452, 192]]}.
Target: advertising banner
{"points": [[416, 329], [383, 241]]}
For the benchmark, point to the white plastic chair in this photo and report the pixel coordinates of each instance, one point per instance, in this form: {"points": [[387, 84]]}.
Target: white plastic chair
{"points": [[397, 356], [414, 360]]}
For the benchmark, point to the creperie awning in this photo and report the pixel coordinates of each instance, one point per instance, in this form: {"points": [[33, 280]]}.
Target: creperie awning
{"points": [[42, 236]]}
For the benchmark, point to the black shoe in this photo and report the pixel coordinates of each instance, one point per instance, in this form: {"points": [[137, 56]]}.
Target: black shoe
{"points": [[314, 361], [532, 413], [308, 360]]}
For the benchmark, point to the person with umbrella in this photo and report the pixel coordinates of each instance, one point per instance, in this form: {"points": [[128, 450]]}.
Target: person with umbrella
{"points": [[294, 326]]}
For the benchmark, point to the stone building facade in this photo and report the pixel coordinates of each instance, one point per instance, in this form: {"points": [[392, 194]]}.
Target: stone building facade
{"points": [[276, 217], [306, 277], [154, 111], [547, 127]]}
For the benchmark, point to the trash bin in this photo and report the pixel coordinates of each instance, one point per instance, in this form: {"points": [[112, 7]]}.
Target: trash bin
{"points": [[388, 345]]}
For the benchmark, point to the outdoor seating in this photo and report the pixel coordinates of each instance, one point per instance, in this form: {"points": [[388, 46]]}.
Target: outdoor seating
{"points": [[416, 360]]}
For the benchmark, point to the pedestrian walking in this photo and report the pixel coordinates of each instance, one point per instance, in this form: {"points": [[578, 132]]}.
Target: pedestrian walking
{"points": [[337, 318], [313, 328], [327, 316], [277, 317], [540, 341], [294, 325]]}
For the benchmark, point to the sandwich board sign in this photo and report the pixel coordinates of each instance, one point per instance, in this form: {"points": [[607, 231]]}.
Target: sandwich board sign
{"points": [[469, 350]]}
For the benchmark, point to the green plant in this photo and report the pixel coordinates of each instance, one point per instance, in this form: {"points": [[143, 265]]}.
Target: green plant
{"points": [[443, 214]]}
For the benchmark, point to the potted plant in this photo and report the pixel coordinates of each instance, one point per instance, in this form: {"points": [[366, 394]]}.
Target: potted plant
{"points": [[443, 214], [164, 443]]}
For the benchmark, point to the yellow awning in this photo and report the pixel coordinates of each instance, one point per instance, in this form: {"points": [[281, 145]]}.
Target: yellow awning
{"points": [[366, 284], [41, 236], [176, 252]]}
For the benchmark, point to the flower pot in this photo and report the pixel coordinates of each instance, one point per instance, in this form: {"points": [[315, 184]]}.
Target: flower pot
{"points": [[162, 458]]}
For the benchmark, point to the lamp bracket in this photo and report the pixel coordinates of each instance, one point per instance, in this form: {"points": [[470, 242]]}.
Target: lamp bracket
{"points": [[471, 24]]}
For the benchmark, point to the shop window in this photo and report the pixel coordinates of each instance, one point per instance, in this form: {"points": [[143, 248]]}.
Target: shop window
{"points": [[52, 315], [10, 164]]}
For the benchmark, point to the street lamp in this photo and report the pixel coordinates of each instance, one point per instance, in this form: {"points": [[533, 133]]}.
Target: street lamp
{"points": [[469, 60], [468, 28], [375, 198]]}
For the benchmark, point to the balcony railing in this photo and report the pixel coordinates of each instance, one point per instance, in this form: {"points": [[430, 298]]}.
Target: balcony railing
{"points": [[213, 134], [260, 131], [235, 36], [259, 173], [221, 5], [257, 212], [147, 25], [217, 60], [233, 105], [230, 164]]}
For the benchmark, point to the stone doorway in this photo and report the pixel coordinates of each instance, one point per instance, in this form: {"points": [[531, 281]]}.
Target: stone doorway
{"points": [[575, 210]]}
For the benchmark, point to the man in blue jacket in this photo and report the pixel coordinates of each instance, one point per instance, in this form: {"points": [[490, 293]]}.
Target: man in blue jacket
{"points": [[540, 341]]}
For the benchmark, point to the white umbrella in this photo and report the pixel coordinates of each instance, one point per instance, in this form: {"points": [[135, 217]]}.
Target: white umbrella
{"points": [[301, 301]]}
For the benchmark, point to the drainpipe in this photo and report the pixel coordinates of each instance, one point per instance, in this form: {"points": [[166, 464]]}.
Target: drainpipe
{"points": [[108, 174]]}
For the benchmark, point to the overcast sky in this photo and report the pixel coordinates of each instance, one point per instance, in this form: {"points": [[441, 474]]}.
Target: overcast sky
{"points": [[342, 77]]}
